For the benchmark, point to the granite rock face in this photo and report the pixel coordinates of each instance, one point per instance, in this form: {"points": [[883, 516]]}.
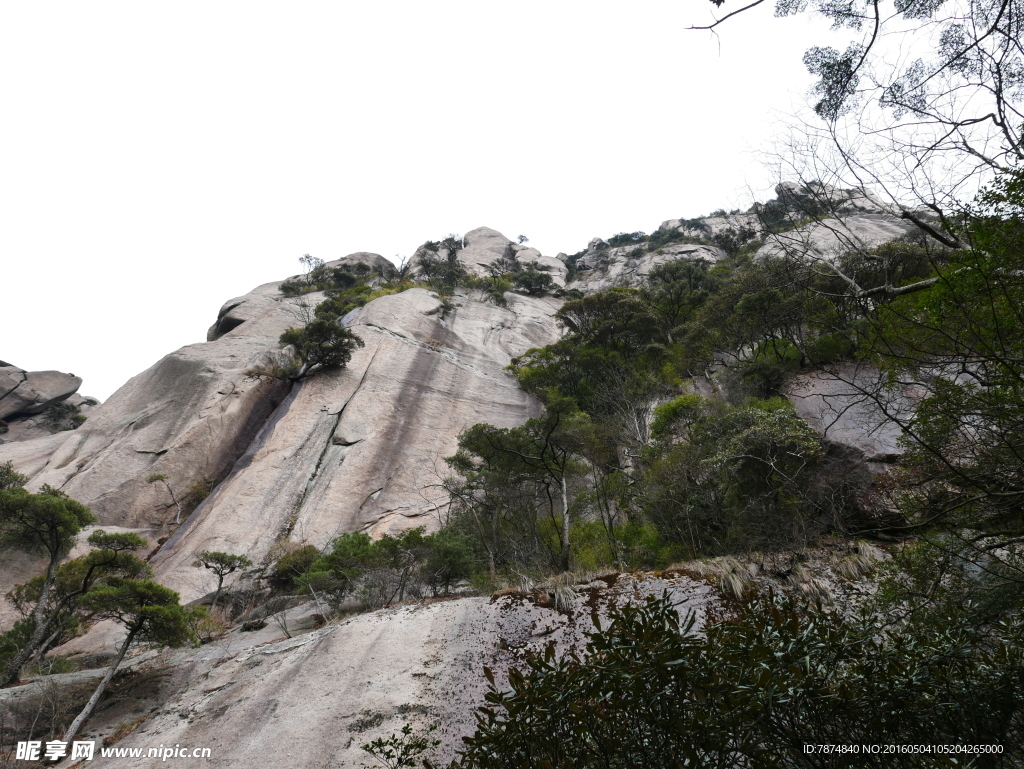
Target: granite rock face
{"points": [[259, 699], [484, 246], [359, 449], [363, 448], [715, 225], [829, 238], [852, 406], [602, 268]]}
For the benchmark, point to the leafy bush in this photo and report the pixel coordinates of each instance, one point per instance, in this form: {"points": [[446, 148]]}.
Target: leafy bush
{"points": [[726, 479], [754, 689], [533, 282], [291, 567], [391, 568], [626, 238]]}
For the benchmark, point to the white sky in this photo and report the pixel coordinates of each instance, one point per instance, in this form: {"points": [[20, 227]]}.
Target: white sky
{"points": [[158, 159]]}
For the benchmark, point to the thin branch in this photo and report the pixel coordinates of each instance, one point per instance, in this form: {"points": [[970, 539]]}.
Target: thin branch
{"points": [[730, 15]]}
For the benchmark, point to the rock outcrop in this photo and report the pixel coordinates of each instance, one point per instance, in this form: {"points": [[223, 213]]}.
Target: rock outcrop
{"points": [[853, 406], [360, 449], [602, 267], [834, 236], [484, 246], [32, 392], [260, 699]]}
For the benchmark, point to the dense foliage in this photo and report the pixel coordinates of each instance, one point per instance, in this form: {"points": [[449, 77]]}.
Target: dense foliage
{"points": [[377, 572], [753, 690]]}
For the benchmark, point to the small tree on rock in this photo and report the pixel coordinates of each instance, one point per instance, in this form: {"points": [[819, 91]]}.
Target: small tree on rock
{"points": [[62, 615], [149, 612], [321, 343], [221, 564], [44, 524]]}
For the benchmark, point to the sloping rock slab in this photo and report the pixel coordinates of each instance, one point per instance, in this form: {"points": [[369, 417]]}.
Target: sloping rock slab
{"points": [[851, 407], [314, 699], [363, 448]]}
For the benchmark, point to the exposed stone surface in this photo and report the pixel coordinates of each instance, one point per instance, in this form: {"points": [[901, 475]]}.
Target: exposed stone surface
{"points": [[602, 268], [531, 257], [32, 392], [312, 700], [832, 237], [363, 448], [849, 406], [25, 427], [483, 246], [188, 417], [814, 196], [357, 449], [714, 225]]}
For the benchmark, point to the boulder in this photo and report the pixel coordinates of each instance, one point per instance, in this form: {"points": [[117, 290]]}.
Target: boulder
{"points": [[531, 257], [483, 246], [239, 310], [851, 406], [32, 392]]}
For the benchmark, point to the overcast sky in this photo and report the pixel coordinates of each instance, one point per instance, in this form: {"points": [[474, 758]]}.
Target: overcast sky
{"points": [[158, 159]]}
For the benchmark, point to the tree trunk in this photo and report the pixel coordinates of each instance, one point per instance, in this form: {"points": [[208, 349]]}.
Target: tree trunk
{"points": [[91, 704], [565, 525], [220, 584], [40, 627], [174, 499]]}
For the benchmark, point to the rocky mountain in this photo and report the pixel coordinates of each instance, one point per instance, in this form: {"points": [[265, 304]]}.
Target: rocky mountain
{"points": [[253, 463]]}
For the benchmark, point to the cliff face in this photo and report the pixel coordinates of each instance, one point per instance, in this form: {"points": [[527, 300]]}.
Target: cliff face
{"points": [[357, 449], [360, 449]]}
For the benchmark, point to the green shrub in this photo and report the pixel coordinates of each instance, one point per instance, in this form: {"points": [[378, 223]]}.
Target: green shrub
{"points": [[829, 348], [451, 558], [290, 568], [533, 282], [63, 416], [754, 689]]}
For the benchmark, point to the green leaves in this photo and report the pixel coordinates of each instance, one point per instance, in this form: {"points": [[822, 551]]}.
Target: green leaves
{"points": [[753, 690], [220, 563], [322, 343], [148, 610], [42, 524], [724, 478]]}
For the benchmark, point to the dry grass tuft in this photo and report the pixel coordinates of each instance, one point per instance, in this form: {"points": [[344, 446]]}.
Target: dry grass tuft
{"points": [[861, 561]]}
